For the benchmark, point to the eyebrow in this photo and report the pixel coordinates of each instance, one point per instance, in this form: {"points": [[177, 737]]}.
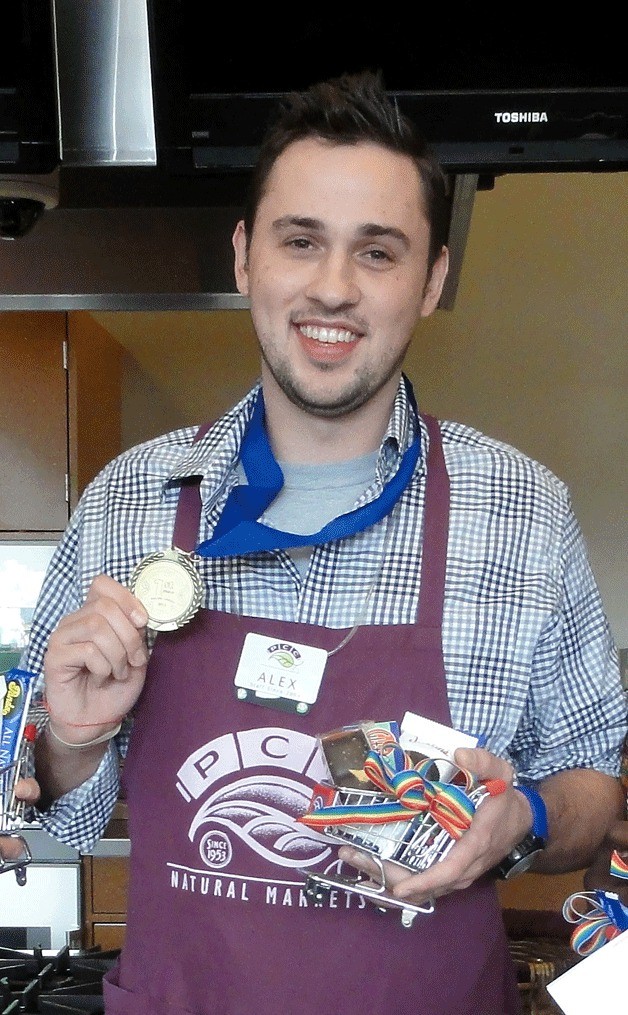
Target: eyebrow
{"points": [[373, 231], [370, 230], [302, 221]]}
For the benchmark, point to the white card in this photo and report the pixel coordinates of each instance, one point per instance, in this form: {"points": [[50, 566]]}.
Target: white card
{"points": [[597, 985], [277, 669], [434, 740]]}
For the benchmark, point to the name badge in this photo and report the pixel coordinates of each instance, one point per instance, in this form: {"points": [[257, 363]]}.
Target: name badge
{"points": [[279, 674]]}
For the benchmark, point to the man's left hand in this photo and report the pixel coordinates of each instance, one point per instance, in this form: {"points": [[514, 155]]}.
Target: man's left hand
{"points": [[499, 824]]}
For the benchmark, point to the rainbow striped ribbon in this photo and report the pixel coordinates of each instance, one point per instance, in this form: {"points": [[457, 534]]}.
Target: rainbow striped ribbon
{"points": [[413, 794], [603, 919], [619, 865]]}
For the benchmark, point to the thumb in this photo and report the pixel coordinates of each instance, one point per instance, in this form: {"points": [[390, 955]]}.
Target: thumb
{"points": [[483, 764]]}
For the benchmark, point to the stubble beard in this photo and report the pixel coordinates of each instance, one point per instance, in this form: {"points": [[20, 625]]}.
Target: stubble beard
{"points": [[363, 388]]}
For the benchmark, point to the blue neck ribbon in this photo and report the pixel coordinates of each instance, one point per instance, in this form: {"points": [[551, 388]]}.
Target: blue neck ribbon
{"points": [[238, 530]]}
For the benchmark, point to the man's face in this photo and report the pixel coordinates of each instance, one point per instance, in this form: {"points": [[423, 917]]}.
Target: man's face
{"points": [[336, 273]]}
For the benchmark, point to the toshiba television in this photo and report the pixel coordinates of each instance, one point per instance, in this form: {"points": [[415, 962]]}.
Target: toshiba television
{"points": [[29, 121], [496, 89]]}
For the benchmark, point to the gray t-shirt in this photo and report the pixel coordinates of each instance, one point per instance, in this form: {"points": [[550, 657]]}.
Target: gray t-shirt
{"points": [[312, 495]]}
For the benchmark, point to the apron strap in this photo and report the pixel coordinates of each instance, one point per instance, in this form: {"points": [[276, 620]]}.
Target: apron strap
{"points": [[435, 532]]}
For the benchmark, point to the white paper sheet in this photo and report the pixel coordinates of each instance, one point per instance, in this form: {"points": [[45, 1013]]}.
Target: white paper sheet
{"points": [[598, 984]]}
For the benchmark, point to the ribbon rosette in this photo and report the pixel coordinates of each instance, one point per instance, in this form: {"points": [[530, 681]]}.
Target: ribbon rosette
{"points": [[411, 792]]}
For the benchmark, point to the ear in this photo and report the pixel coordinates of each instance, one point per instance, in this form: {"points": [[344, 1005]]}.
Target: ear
{"points": [[241, 266], [435, 283]]}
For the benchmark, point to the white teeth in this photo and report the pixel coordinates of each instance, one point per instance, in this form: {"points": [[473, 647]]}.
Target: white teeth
{"points": [[329, 335]]}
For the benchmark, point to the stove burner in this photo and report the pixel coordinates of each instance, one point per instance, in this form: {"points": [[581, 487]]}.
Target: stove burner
{"points": [[65, 982]]}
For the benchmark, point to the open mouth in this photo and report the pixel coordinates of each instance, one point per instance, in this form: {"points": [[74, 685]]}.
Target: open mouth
{"points": [[328, 336]]}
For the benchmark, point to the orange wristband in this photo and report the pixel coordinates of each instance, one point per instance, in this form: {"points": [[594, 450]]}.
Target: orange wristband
{"points": [[82, 725]]}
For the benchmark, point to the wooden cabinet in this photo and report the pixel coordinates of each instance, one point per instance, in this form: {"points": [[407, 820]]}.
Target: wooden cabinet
{"points": [[104, 884], [539, 892], [33, 423], [105, 881], [59, 425], [59, 415], [108, 936], [94, 384], [532, 903]]}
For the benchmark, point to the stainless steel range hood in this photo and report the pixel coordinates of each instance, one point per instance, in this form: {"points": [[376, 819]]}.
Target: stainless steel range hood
{"points": [[122, 259], [150, 258], [120, 234]]}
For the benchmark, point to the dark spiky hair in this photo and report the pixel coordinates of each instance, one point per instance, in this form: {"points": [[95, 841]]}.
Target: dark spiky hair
{"points": [[347, 110]]}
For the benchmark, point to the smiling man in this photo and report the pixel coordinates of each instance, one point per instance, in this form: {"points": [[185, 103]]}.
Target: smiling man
{"points": [[337, 286], [327, 540]]}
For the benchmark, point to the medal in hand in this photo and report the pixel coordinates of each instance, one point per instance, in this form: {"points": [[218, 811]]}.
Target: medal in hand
{"points": [[169, 588]]}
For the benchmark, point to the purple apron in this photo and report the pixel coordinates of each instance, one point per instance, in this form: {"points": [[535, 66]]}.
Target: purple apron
{"points": [[218, 922]]}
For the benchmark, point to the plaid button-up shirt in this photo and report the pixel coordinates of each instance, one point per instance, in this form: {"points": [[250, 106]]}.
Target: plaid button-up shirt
{"points": [[529, 658]]}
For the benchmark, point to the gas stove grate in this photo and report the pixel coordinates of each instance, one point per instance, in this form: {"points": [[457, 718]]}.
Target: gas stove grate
{"points": [[66, 981]]}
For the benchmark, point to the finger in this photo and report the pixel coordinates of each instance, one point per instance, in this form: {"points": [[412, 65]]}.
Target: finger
{"points": [[104, 587], [458, 868], [101, 663], [11, 848], [483, 764], [439, 879], [376, 873], [362, 861], [27, 790], [103, 624], [119, 615], [384, 874]]}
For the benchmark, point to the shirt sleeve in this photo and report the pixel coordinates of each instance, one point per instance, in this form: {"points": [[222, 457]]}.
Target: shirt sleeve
{"points": [[576, 715], [80, 817]]}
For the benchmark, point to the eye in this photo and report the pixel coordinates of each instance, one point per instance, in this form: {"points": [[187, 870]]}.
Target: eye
{"points": [[299, 243], [377, 256]]}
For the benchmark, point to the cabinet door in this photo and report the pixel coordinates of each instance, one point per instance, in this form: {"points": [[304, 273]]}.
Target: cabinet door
{"points": [[94, 384], [105, 887], [33, 422], [109, 884], [107, 936]]}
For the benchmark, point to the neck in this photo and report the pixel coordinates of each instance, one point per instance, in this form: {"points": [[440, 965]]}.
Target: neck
{"points": [[299, 437]]}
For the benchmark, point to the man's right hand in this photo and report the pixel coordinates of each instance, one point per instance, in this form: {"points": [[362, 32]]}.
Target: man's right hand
{"points": [[95, 664]]}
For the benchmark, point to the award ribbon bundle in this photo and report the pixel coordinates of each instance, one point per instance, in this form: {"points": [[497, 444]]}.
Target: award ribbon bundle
{"points": [[598, 916], [394, 804]]}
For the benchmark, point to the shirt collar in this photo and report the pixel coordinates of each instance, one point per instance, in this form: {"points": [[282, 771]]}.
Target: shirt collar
{"points": [[401, 431], [217, 452]]}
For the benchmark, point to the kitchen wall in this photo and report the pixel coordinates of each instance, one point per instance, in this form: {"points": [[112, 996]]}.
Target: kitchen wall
{"points": [[533, 352]]}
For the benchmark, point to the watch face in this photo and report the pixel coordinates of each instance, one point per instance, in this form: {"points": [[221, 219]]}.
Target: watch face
{"points": [[521, 858], [522, 865]]}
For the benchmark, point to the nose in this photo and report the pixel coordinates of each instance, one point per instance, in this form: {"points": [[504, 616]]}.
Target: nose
{"points": [[334, 282]]}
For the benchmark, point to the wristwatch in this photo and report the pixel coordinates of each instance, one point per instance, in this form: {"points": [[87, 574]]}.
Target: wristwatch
{"points": [[521, 858]]}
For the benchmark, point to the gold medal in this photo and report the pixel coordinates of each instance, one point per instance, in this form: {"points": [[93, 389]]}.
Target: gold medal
{"points": [[169, 588]]}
